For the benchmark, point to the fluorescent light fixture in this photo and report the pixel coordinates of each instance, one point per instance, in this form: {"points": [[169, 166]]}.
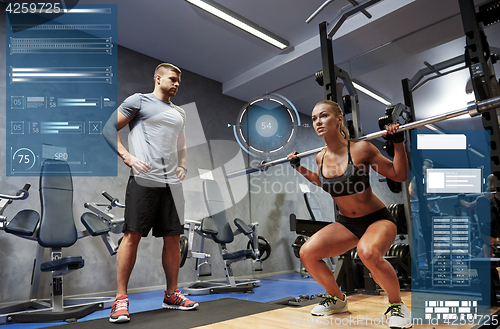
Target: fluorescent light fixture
{"points": [[372, 94], [239, 21]]}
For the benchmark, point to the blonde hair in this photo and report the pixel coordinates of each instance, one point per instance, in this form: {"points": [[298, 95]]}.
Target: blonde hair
{"points": [[167, 66], [337, 111]]}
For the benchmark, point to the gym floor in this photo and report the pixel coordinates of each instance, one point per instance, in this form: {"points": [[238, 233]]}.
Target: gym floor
{"points": [[272, 288]]}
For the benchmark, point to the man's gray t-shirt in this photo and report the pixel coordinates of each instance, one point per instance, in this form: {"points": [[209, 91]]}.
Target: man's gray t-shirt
{"points": [[154, 128]]}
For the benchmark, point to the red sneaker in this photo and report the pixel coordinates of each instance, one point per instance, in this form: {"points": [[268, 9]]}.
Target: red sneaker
{"points": [[178, 301], [119, 310]]}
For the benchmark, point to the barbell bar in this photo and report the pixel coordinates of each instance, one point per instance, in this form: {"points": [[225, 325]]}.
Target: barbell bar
{"points": [[473, 110]]}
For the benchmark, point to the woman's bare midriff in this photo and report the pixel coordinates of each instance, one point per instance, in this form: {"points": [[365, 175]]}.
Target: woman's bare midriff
{"points": [[359, 204]]}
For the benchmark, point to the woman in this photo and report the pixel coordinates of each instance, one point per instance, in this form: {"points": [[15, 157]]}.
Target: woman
{"points": [[364, 221]]}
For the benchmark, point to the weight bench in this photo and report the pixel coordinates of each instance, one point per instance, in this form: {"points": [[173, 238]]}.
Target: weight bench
{"points": [[25, 221], [101, 226], [102, 222], [217, 228], [55, 230]]}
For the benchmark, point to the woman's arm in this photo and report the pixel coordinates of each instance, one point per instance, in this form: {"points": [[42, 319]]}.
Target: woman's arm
{"points": [[311, 176], [395, 170]]}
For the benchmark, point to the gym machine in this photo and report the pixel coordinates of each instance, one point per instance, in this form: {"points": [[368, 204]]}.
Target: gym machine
{"points": [[56, 198], [217, 228], [305, 228], [101, 222]]}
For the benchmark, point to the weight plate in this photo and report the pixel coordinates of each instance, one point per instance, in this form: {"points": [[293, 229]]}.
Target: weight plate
{"points": [[407, 255], [297, 244], [402, 219], [400, 251], [184, 250], [395, 187], [392, 250], [265, 247]]}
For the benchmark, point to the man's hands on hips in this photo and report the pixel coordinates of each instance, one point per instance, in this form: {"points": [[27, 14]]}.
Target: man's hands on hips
{"points": [[137, 165], [181, 173]]}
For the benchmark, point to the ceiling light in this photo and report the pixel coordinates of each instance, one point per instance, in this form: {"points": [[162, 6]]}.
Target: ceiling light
{"points": [[239, 21], [370, 93]]}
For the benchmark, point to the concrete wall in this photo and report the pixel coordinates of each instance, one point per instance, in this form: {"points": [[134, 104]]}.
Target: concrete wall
{"points": [[265, 197]]}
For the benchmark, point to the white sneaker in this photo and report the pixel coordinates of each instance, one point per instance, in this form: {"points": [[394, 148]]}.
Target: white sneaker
{"points": [[330, 305], [400, 316]]}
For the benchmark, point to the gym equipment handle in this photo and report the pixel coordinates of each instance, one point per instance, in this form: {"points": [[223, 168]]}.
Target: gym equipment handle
{"points": [[20, 195], [114, 201], [108, 196]]}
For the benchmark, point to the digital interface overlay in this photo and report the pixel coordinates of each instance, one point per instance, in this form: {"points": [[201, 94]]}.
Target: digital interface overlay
{"points": [[266, 125], [61, 87], [450, 269]]}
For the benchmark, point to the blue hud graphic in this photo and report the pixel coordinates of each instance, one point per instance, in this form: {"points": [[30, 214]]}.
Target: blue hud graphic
{"points": [[450, 261], [61, 87]]}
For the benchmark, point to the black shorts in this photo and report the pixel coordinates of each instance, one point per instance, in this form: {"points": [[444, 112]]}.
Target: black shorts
{"points": [[159, 208], [359, 225]]}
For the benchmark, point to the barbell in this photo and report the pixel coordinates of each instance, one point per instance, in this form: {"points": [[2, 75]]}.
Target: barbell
{"points": [[473, 110]]}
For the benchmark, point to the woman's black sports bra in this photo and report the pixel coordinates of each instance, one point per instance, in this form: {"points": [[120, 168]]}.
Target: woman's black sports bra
{"points": [[352, 181]]}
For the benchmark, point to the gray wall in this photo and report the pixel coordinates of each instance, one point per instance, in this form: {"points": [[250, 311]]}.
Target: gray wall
{"points": [[265, 197]]}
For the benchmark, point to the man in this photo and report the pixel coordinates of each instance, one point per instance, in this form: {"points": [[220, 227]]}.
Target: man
{"points": [[154, 197]]}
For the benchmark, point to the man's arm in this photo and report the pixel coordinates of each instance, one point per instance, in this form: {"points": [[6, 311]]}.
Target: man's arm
{"points": [[181, 155], [110, 132]]}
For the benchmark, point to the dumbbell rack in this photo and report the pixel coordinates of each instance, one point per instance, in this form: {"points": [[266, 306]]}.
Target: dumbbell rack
{"points": [[399, 256]]}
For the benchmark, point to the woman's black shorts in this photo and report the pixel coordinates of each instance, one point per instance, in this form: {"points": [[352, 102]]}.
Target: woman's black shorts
{"points": [[359, 225], [159, 208]]}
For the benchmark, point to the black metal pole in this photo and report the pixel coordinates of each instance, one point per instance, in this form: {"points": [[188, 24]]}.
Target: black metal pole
{"points": [[477, 57], [329, 79]]}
